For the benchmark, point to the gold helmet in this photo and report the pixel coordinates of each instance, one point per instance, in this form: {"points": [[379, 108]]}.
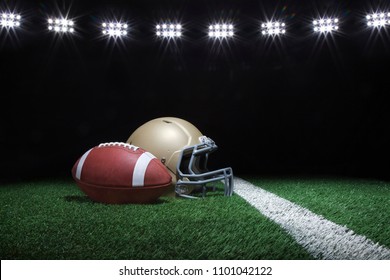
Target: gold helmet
{"points": [[184, 150]]}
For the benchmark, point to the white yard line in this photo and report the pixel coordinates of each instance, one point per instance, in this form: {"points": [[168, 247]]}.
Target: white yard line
{"points": [[323, 239]]}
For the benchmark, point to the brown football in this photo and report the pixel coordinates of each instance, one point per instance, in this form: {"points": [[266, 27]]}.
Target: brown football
{"points": [[118, 173]]}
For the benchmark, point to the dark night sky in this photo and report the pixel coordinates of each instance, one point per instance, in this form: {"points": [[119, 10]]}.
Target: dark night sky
{"points": [[299, 104]]}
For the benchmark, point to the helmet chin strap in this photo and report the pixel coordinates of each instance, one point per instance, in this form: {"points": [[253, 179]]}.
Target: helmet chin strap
{"points": [[204, 190]]}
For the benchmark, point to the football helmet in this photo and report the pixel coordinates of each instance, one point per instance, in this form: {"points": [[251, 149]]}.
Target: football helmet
{"points": [[184, 150]]}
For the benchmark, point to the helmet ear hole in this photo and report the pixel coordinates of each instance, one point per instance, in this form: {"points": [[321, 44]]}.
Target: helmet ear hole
{"points": [[184, 164]]}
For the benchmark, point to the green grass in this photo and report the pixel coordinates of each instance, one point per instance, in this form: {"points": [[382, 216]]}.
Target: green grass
{"points": [[55, 220], [363, 205]]}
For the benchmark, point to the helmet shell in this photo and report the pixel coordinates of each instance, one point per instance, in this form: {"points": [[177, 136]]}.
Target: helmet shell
{"points": [[165, 138]]}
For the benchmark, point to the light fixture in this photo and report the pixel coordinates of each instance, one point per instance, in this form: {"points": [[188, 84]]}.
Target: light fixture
{"points": [[273, 28], [168, 30], [10, 20], [61, 25], [114, 29], [325, 25], [378, 19], [221, 30]]}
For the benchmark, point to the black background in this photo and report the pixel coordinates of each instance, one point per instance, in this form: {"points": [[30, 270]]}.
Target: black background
{"points": [[300, 104]]}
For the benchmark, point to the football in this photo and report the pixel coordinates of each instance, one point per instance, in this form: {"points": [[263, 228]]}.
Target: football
{"points": [[118, 173]]}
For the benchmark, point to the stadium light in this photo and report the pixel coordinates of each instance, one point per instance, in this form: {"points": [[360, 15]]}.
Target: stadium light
{"points": [[10, 20], [221, 30], [325, 25], [168, 30], [378, 19], [273, 28], [114, 29], [62, 25]]}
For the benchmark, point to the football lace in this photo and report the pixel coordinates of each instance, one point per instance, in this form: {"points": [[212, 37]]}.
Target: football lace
{"points": [[119, 144]]}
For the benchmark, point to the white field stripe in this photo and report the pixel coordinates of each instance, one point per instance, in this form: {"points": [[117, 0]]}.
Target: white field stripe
{"points": [[323, 239], [81, 163], [140, 169]]}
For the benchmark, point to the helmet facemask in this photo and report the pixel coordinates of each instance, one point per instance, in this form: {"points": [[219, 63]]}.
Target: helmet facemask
{"points": [[193, 173]]}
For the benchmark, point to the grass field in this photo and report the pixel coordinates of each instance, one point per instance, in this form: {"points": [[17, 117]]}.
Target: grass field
{"points": [[362, 205], [55, 220]]}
